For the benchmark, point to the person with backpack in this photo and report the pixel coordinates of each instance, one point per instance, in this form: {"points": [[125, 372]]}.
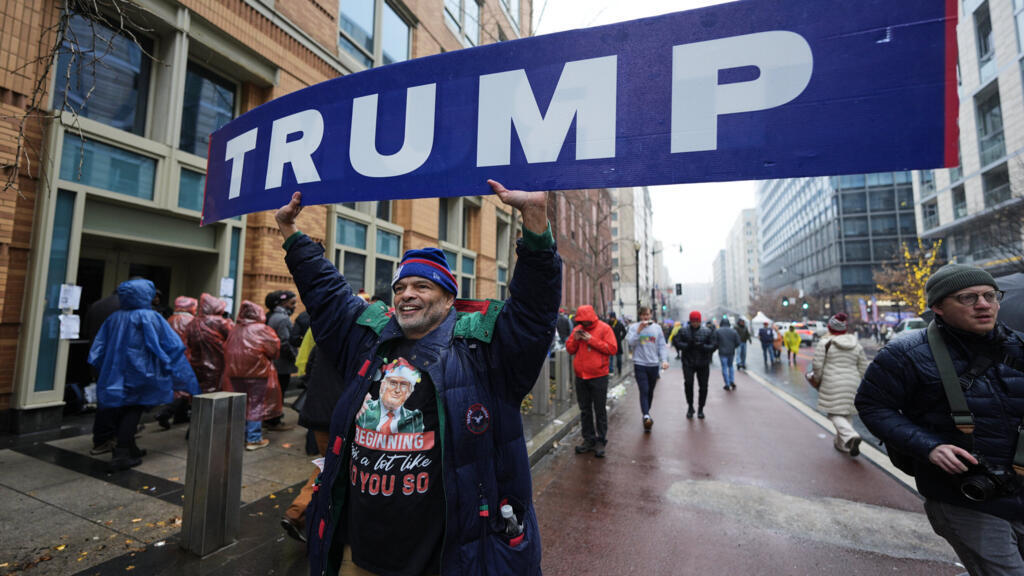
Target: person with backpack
{"points": [[836, 370], [948, 402]]}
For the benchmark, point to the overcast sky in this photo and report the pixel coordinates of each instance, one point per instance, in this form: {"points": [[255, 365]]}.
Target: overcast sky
{"points": [[696, 216]]}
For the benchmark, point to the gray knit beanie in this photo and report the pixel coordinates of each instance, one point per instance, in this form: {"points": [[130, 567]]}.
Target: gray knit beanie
{"points": [[953, 278]]}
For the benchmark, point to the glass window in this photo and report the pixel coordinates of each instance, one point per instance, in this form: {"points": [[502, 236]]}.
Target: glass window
{"points": [[929, 215], [453, 12], [395, 39], [885, 249], [1018, 8], [851, 181], [468, 266], [990, 127], [57, 268], [356, 53], [908, 224], [466, 290], [209, 104], [442, 219], [383, 271], [902, 177], [996, 184], [387, 243], [927, 182], [190, 190], [905, 198], [883, 200], [854, 202], [384, 210], [883, 225], [351, 233], [856, 251], [472, 22], [986, 42], [96, 164], [236, 242], [502, 282], [880, 179], [356, 23], [452, 258], [960, 198], [855, 227], [102, 75], [858, 275], [355, 270]]}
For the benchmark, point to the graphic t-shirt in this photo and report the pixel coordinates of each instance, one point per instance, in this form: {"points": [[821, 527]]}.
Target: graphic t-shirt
{"points": [[395, 497]]}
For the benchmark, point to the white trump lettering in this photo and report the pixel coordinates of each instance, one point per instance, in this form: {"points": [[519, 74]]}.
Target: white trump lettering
{"points": [[299, 152], [785, 63], [234, 152], [419, 134], [586, 91]]}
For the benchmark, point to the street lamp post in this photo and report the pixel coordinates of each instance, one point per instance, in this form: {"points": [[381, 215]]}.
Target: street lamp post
{"points": [[636, 265]]}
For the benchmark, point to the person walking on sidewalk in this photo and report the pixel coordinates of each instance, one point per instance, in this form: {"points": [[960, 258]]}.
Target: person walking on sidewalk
{"points": [[647, 342], [696, 346], [741, 352], [791, 340], [766, 335], [395, 503], [206, 335], [249, 353], [964, 462], [281, 304], [619, 329], [727, 341], [184, 312], [591, 343], [838, 366], [141, 361]]}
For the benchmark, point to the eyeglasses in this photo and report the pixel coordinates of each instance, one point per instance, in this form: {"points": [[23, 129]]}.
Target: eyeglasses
{"points": [[971, 298]]}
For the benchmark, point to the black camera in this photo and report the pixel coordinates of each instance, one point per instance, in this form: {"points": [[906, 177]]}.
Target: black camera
{"points": [[982, 481]]}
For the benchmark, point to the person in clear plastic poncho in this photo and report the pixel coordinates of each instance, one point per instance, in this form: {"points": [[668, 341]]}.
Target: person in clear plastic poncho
{"points": [[249, 352], [206, 335], [141, 361]]}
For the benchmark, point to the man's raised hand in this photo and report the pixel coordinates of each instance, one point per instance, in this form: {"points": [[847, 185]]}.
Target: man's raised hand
{"points": [[533, 205], [286, 215]]}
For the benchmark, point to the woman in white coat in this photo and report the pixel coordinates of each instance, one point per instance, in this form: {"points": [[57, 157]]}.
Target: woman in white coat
{"points": [[838, 366]]}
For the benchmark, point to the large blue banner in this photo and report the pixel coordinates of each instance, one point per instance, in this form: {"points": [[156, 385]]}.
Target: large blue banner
{"points": [[756, 89]]}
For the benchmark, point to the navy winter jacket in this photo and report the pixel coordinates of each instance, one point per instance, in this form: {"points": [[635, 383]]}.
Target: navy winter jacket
{"points": [[481, 365], [902, 401]]}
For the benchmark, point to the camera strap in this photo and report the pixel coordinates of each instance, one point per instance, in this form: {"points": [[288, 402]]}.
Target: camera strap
{"points": [[962, 416]]}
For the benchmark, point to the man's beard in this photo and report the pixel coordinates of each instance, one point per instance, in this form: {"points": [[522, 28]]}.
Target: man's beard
{"points": [[430, 316]]}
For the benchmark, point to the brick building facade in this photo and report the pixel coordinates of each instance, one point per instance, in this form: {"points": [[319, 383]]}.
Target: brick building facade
{"points": [[111, 187]]}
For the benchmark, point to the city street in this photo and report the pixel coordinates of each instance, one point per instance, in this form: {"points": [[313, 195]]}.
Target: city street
{"points": [[756, 488]]}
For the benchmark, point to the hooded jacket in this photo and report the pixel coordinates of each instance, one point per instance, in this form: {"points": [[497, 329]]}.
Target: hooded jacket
{"points": [[249, 352], [184, 312], [902, 401], [791, 339], [743, 332], [140, 359], [206, 335], [727, 339], [841, 374], [280, 321], [591, 356], [482, 364], [696, 346]]}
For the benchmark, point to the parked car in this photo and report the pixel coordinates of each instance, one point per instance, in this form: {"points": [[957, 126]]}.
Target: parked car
{"points": [[818, 328], [910, 325], [806, 333]]}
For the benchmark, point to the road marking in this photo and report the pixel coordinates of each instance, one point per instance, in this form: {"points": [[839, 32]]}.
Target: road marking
{"points": [[834, 521], [876, 456]]}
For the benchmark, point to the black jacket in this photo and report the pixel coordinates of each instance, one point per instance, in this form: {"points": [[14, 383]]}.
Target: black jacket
{"points": [[695, 346], [743, 332], [902, 401], [619, 329]]}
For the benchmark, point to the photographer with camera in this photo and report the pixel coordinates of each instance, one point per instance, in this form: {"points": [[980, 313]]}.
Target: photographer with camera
{"points": [[949, 404]]}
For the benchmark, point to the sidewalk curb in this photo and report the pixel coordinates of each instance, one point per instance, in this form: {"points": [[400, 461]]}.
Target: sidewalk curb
{"points": [[876, 456]]}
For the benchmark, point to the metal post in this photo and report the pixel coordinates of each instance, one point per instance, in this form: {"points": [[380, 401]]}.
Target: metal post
{"points": [[564, 377], [541, 388], [213, 473]]}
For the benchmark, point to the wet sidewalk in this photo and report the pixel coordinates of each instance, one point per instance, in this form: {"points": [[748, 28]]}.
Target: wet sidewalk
{"points": [[755, 488]]}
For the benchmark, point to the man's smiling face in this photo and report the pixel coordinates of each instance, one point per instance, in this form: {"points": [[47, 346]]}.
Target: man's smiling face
{"points": [[420, 305]]}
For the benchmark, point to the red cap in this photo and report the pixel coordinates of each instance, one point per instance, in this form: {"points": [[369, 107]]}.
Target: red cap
{"points": [[695, 316]]}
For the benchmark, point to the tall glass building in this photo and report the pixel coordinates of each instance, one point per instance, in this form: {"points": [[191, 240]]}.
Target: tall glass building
{"points": [[826, 235]]}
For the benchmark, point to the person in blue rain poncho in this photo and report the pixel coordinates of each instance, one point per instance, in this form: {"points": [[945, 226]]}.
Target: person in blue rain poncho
{"points": [[141, 362]]}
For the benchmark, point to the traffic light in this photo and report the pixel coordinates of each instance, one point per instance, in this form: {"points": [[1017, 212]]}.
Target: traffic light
{"points": [[785, 302], [679, 289], [664, 308], [805, 305]]}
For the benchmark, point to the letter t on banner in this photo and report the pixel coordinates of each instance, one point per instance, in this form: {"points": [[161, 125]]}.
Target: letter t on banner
{"points": [[785, 63]]}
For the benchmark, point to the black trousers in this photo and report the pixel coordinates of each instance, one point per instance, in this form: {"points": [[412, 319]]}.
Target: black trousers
{"points": [[104, 426], [591, 395], [702, 372], [127, 420]]}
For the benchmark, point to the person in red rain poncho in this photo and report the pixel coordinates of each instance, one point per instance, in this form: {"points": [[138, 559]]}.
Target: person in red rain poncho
{"points": [[248, 367], [205, 337], [184, 313]]}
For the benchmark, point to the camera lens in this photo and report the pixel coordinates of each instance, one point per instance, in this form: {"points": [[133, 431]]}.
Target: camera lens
{"points": [[977, 488]]}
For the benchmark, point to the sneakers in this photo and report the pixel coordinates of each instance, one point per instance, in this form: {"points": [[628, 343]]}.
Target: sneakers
{"points": [[689, 412], [279, 427], [732, 386], [648, 422], [726, 387], [103, 448], [293, 528], [855, 446], [250, 446], [586, 446]]}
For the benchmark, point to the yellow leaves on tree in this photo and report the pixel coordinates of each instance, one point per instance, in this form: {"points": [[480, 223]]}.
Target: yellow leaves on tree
{"points": [[903, 281]]}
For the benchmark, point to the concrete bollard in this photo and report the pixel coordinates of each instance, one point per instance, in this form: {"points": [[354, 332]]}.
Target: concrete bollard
{"points": [[213, 473]]}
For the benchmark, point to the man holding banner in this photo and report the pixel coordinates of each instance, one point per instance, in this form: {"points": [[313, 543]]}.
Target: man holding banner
{"points": [[393, 500]]}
